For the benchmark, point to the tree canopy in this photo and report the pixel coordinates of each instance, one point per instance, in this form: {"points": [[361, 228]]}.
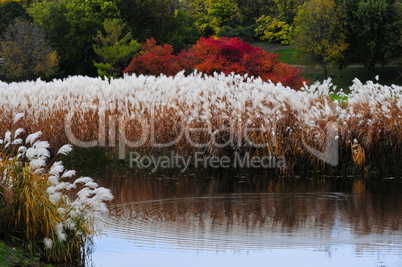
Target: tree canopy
{"points": [[9, 11], [114, 50], [373, 31], [71, 26], [328, 33], [26, 53], [318, 35]]}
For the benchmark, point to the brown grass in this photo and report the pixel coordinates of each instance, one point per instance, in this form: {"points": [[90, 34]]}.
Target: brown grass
{"points": [[375, 130]]}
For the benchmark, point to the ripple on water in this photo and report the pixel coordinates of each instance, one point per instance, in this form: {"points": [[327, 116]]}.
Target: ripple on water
{"points": [[246, 222]]}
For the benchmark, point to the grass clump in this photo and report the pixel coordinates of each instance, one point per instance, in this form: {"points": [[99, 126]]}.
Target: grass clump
{"points": [[39, 212]]}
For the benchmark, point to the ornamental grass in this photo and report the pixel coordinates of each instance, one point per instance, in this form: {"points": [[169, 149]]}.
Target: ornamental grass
{"points": [[43, 208], [218, 115]]}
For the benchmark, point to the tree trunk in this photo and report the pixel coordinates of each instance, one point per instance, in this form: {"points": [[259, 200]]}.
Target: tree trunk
{"points": [[173, 6], [373, 72]]}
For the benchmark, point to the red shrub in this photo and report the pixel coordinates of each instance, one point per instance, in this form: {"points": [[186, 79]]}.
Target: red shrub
{"points": [[154, 60], [234, 49], [203, 56], [269, 67], [211, 55]]}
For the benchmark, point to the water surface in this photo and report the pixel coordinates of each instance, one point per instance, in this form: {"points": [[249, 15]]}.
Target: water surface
{"points": [[232, 219]]}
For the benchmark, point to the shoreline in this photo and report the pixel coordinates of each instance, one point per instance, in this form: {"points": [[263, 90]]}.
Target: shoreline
{"points": [[12, 256], [82, 158]]}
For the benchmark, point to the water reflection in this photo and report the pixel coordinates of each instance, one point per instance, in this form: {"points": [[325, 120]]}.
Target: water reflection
{"points": [[230, 212]]}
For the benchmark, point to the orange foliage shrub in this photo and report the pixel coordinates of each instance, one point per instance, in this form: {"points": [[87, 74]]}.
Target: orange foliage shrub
{"points": [[211, 55], [154, 60]]}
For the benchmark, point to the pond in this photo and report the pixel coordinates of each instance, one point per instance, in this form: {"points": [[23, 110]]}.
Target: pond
{"points": [[245, 219]]}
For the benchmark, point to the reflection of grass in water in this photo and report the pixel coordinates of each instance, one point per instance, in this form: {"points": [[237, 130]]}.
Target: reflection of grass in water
{"points": [[254, 203], [359, 186], [90, 157]]}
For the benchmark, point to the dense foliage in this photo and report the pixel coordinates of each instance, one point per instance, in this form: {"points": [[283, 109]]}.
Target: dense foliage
{"points": [[245, 33], [181, 31], [26, 53], [9, 11], [374, 31], [154, 60], [273, 30], [146, 18], [319, 36], [210, 55], [372, 28], [71, 26]]}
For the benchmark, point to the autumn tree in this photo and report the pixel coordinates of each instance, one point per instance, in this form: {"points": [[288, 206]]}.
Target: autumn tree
{"points": [[114, 50], [272, 30], [373, 33], [212, 15], [318, 35], [154, 60], [2, 2], [26, 53]]}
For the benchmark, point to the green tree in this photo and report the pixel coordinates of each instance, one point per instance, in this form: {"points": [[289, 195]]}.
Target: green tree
{"points": [[244, 33], [181, 31], [225, 12], [146, 18], [26, 53], [114, 50], [251, 10], [286, 10], [373, 34], [318, 35], [197, 9], [71, 26]]}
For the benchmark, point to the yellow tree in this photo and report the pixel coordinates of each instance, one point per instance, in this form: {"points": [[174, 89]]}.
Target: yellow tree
{"points": [[272, 29], [197, 8], [26, 53], [318, 35]]}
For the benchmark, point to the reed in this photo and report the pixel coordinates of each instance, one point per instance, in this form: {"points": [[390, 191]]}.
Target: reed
{"points": [[229, 107], [39, 210]]}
